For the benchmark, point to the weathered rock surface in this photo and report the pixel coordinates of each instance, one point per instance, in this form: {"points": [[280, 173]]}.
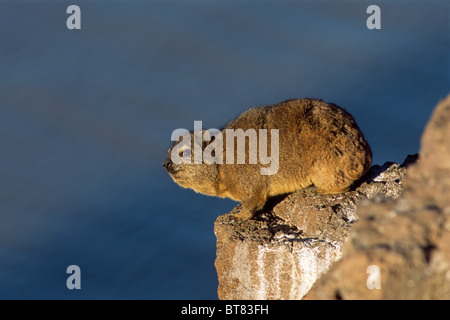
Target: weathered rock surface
{"points": [[301, 237], [295, 239], [407, 239]]}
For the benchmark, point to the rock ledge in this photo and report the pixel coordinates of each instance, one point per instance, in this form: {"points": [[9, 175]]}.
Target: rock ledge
{"points": [[301, 237]]}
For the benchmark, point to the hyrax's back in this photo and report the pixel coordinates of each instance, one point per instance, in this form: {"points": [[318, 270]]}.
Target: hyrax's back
{"points": [[320, 144]]}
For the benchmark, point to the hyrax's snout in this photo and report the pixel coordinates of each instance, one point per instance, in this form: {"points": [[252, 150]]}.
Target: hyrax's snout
{"points": [[168, 164]]}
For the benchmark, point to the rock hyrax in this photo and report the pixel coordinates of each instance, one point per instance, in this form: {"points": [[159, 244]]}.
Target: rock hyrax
{"points": [[319, 144]]}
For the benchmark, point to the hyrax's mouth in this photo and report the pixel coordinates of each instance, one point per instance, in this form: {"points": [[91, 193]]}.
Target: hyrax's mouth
{"points": [[175, 173], [171, 168]]}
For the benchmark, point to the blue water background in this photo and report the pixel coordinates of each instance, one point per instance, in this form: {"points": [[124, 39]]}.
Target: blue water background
{"points": [[86, 117]]}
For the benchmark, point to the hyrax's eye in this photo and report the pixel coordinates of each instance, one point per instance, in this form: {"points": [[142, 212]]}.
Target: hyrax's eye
{"points": [[185, 152]]}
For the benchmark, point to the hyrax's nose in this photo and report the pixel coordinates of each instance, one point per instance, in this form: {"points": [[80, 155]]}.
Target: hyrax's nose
{"points": [[167, 163]]}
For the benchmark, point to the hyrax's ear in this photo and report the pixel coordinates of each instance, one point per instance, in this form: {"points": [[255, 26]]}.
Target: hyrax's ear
{"points": [[197, 136], [209, 136], [203, 137], [206, 138]]}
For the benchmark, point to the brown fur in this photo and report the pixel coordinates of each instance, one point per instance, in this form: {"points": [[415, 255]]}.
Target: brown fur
{"points": [[320, 145]]}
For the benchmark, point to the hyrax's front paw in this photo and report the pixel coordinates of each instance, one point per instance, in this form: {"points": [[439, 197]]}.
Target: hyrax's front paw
{"points": [[243, 215]]}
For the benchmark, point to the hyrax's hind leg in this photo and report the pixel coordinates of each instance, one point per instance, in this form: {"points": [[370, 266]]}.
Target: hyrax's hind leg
{"points": [[340, 170], [333, 181]]}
